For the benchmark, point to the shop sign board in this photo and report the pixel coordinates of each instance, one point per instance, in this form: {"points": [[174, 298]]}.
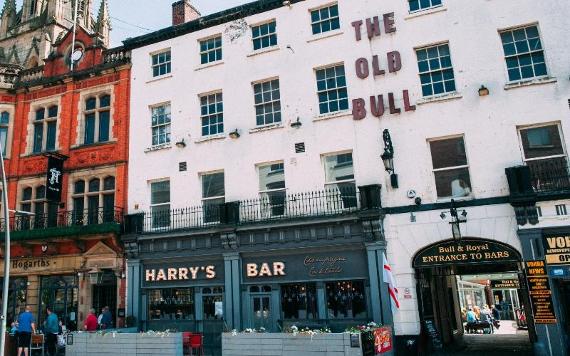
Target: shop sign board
{"points": [[505, 284], [382, 340], [182, 273], [540, 293], [464, 252], [557, 250], [335, 265]]}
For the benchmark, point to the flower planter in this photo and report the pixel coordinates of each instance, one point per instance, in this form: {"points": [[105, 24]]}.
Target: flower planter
{"points": [[147, 344], [286, 344]]}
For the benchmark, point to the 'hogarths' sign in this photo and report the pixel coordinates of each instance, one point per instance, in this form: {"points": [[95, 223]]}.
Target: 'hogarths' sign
{"points": [[467, 251]]}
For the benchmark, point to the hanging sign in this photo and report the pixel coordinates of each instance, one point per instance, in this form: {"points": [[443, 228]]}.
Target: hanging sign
{"points": [[54, 179], [557, 250], [540, 293], [464, 252]]}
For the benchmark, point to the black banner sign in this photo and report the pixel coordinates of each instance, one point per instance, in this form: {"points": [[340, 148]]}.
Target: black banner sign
{"points": [[464, 252], [540, 293], [54, 179], [505, 284], [557, 250]]}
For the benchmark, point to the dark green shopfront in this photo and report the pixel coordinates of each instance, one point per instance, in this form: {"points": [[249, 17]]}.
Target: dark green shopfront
{"points": [[319, 267]]}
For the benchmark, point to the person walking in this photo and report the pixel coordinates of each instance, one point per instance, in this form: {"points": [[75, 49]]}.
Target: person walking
{"points": [[91, 321], [107, 319], [26, 326], [51, 329]]}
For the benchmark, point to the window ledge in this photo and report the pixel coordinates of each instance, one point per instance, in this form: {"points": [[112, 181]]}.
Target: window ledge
{"points": [[322, 36], [526, 83], [156, 79], [455, 199], [439, 98], [335, 115], [95, 144], [164, 146], [419, 13], [266, 128], [264, 50], [208, 65], [221, 136]]}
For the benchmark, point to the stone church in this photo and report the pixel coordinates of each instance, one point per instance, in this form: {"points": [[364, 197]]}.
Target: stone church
{"points": [[29, 35]]}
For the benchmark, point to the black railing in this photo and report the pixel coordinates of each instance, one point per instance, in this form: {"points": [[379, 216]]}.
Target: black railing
{"points": [[276, 205], [60, 219], [550, 175]]}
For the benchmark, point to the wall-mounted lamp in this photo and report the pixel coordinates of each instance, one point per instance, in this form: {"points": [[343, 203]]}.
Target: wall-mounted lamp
{"points": [[483, 91], [458, 217], [388, 158], [180, 144], [235, 134], [297, 124]]}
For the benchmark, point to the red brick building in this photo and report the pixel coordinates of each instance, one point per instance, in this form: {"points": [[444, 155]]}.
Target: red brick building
{"points": [[67, 253]]}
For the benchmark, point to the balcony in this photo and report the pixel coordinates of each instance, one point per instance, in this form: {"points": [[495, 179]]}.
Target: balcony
{"points": [[550, 175], [270, 207], [65, 223]]}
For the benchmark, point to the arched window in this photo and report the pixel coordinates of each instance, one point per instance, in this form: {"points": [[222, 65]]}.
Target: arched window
{"points": [[33, 200], [97, 119], [4, 124], [45, 129], [33, 7], [97, 204]]}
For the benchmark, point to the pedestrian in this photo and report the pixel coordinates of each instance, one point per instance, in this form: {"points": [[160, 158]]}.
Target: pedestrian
{"points": [[91, 321], [26, 326], [51, 329], [496, 313], [107, 320], [100, 318]]}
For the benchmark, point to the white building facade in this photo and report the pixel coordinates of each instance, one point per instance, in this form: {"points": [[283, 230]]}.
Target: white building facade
{"points": [[269, 100]]}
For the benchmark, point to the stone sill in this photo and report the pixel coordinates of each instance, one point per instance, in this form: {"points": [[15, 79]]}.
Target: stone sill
{"points": [[335, 115], [264, 50], [526, 83], [419, 13], [439, 98], [266, 128], [221, 136], [159, 78], [208, 65], [322, 36], [165, 146]]}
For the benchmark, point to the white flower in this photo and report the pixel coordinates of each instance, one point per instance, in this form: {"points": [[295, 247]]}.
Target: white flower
{"points": [[234, 332]]}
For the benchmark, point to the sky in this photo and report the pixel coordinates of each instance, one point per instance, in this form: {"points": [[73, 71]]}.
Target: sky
{"points": [[131, 18]]}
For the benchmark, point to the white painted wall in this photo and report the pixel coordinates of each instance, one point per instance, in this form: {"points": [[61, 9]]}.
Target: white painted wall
{"points": [[488, 123]]}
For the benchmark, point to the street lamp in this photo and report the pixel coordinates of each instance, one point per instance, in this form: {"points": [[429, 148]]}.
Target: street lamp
{"points": [[458, 217], [388, 158]]}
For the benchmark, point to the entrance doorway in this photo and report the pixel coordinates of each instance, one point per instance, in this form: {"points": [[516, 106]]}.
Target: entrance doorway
{"points": [[261, 308], [457, 280], [104, 294]]}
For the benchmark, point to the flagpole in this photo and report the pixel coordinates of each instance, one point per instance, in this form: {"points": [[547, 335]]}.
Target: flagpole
{"points": [[73, 40]]}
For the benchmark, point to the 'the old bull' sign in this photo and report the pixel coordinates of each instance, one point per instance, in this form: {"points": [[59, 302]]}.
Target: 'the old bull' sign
{"points": [[464, 252]]}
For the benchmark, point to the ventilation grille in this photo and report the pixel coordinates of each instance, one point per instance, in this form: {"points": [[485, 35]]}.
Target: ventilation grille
{"points": [[300, 147], [568, 103], [182, 167]]}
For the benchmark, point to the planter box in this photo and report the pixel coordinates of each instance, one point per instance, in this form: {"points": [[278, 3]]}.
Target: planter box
{"points": [[95, 344], [277, 344]]}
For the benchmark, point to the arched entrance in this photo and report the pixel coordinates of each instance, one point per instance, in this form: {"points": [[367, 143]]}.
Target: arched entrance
{"points": [[455, 275]]}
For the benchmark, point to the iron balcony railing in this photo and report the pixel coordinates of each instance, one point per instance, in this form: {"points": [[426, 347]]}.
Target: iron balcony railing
{"points": [[550, 175], [270, 206], [62, 219]]}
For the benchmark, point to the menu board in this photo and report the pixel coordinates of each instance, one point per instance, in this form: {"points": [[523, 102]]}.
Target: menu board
{"points": [[436, 342], [540, 293]]}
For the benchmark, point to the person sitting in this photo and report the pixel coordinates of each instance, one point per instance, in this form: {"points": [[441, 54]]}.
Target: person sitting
{"points": [[471, 317], [91, 321]]}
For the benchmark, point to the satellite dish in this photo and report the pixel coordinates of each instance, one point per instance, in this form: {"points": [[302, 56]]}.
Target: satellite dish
{"points": [[76, 55]]}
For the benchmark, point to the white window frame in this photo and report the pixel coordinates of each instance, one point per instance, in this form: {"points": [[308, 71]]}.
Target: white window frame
{"points": [[208, 51], [441, 69], [425, 8], [272, 101], [97, 111], [154, 205], [209, 115], [545, 124], [166, 125], [166, 63], [543, 50], [324, 157], [324, 6], [260, 37], [435, 170], [326, 90], [266, 205], [204, 174]]}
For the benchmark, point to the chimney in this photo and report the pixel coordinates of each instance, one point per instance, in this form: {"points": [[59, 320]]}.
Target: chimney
{"points": [[183, 11]]}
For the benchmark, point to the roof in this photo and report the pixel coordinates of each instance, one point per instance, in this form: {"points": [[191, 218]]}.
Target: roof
{"points": [[225, 16]]}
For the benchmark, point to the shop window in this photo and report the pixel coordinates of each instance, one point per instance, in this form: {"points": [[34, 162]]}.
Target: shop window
{"points": [[97, 204], [43, 213], [160, 204], [299, 301], [524, 54], [17, 294], [272, 189], [213, 195], [450, 168], [4, 124], [45, 129], [97, 116], [264, 35], [339, 181], [346, 300], [61, 294], [171, 304], [213, 303]]}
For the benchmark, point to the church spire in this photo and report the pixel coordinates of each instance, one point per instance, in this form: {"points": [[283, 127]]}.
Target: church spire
{"points": [[7, 17], [8, 5], [103, 24]]}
